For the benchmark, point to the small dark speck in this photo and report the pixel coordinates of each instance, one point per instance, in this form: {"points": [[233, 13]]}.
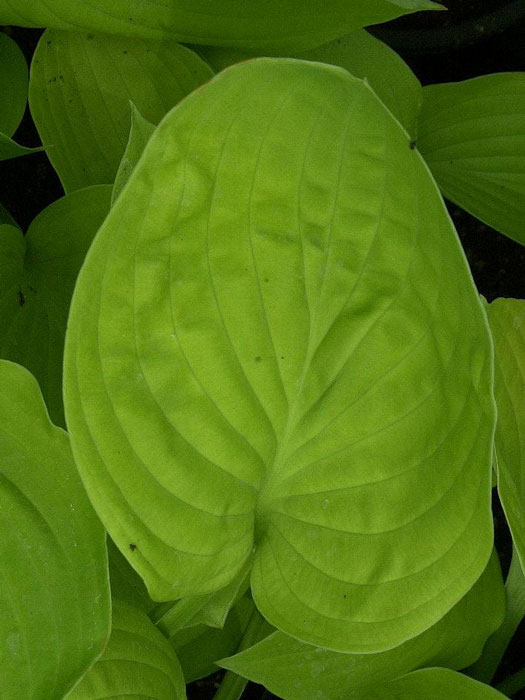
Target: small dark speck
{"points": [[124, 51], [344, 595], [52, 80], [48, 43], [21, 297], [282, 357], [413, 144], [90, 36], [258, 358], [132, 546], [266, 279]]}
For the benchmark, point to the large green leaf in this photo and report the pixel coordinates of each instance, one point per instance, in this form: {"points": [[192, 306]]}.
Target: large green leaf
{"points": [[231, 23], [360, 54], [276, 342], [472, 134], [507, 322], [294, 670], [71, 70], [434, 684], [13, 85], [54, 590], [37, 275], [138, 663], [79, 94]]}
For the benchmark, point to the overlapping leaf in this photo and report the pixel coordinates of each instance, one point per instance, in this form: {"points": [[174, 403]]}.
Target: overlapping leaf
{"points": [[13, 97], [139, 135], [137, 663], [293, 670], [80, 89], [434, 684], [472, 134], [54, 592], [360, 54], [276, 342], [37, 275], [507, 322], [230, 23]]}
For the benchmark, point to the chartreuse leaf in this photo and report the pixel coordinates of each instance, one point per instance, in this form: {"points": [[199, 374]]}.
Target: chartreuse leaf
{"points": [[139, 135], [294, 670], [37, 275], [137, 663], [275, 344], [199, 647], [360, 54], [472, 135], [507, 323], [54, 589], [434, 684], [80, 89], [13, 97], [231, 23]]}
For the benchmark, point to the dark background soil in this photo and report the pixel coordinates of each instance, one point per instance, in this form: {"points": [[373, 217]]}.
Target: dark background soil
{"points": [[473, 38]]}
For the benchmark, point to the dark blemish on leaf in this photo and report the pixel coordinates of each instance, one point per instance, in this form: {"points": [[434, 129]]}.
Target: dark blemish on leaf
{"points": [[258, 358], [21, 297], [52, 80], [413, 144], [124, 52], [282, 357], [344, 595], [266, 279], [132, 546], [90, 36], [48, 42]]}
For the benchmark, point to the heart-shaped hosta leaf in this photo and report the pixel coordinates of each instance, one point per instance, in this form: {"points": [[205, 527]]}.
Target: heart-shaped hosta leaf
{"points": [[54, 589], [360, 54], [80, 89], [294, 670], [434, 684], [228, 23], [275, 342], [472, 134], [138, 663], [37, 274], [507, 323]]}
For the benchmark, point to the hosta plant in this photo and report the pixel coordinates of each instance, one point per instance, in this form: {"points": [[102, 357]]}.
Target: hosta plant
{"points": [[286, 402]]}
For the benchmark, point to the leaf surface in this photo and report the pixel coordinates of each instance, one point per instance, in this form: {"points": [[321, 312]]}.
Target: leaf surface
{"points": [[507, 323], [37, 275], [472, 135], [233, 23], [434, 684], [54, 591], [13, 85], [80, 89], [360, 54], [139, 135], [276, 342], [137, 663], [293, 670]]}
